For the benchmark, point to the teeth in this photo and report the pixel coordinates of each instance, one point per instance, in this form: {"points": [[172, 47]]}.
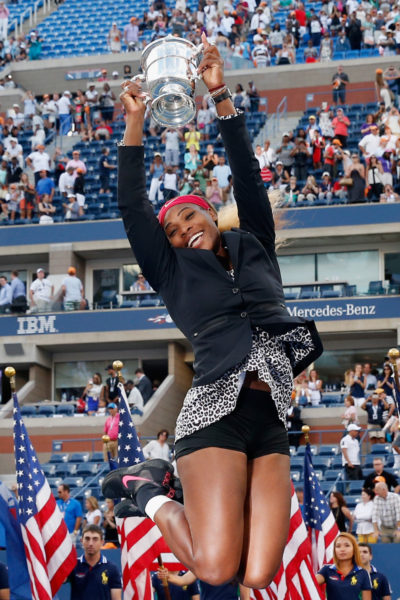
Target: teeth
{"points": [[194, 238]]}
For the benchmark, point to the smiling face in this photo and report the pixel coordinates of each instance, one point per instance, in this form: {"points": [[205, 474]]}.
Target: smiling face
{"points": [[190, 226]]}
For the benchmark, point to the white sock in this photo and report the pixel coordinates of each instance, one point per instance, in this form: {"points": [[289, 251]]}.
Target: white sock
{"points": [[154, 504]]}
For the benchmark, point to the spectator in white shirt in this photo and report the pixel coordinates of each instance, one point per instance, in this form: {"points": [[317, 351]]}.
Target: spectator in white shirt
{"points": [[41, 292], [13, 148], [16, 115], [38, 136], [135, 398], [39, 160], [369, 144], [158, 448], [350, 447], [64, 111], [66, 181]]}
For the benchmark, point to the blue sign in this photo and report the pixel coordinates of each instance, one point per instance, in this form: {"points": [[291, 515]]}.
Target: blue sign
{"points": [[86, 321], [136, 319], [346, 309]]}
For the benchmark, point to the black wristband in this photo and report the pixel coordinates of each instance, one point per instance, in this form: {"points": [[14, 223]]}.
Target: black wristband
{"points": [[220, 97]]}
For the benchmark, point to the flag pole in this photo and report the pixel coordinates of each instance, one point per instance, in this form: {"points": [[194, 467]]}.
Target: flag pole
{"points": [[118, 365]]}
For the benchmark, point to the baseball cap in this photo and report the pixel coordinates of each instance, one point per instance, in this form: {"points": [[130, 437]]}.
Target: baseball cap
{"points": [[278, 162], [40, 269], [15, 105], [109, 367], [336, 141], [353, 427], [379, 479], [67, 93], [326, 174], [112, 405], [115, 73], [157, 154], [379, 391]]}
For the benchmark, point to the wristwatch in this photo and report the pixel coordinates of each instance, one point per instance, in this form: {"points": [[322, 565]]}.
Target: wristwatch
{"points": [[220, 97]]}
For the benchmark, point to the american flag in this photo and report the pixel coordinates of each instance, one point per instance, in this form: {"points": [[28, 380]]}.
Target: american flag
{"points": [[50, 555], [141, 540], [295, 579], [320, 523]]}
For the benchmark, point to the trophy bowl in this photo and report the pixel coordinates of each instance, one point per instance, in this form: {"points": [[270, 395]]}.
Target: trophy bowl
{"points": [[170, 69]]}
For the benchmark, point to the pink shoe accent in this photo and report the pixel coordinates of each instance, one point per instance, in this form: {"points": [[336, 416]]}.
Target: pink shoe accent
{"points": [[128, 478]]}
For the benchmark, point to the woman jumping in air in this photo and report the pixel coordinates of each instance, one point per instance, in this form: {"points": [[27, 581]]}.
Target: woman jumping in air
{"points": [[224, 291]]}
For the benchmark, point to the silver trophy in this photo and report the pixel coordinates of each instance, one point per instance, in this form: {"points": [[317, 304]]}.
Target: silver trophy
{"points": [[169, 71]]}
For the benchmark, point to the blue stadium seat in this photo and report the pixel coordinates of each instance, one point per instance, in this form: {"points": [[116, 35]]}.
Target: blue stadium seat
{"points": [[65, 409], [296, 475], [79, 457], [381, 449], [355, 487], [327, 486], [97, 457], [291, 295], [375, 288], [327, 450], [65, 469], [108, 299], [331, 294], [308, 295], [46, 411], [58, 458], [86, 469], [147, 302], [336, 462], [28, 410], [321, 462], [301, 450], [49, 469], [296, 462], [332, 474], [74, 482]]}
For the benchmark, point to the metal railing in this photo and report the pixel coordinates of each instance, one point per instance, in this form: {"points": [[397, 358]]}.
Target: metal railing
{"points": [[272, 125], [315, 99]]}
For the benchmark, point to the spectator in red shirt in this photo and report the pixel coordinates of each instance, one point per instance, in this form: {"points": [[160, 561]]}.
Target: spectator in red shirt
{"points": [[340, 126], [102, 131]]}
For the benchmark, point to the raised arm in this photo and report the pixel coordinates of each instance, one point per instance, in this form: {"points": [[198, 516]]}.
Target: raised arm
{"points": [[255, 214], [146, 236]]}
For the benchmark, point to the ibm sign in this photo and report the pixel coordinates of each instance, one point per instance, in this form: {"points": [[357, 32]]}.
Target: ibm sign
{"points": [[34, 325]]}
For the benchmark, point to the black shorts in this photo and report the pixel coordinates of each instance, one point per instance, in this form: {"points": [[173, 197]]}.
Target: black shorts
{"points": [[253, 428]]}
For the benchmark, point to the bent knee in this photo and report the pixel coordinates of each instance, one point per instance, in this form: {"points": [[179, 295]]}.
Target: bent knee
{"points": [[261, 578], [215, 572]]}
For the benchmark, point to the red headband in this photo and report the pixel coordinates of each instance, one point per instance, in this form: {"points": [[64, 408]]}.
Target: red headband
{"points": [[189, 199]]}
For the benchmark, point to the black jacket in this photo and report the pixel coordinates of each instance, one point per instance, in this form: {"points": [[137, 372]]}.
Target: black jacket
{"points": [[215, 313]]}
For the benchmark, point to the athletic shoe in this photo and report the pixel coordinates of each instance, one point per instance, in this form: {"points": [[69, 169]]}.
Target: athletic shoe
{"points": [[125, 482]]}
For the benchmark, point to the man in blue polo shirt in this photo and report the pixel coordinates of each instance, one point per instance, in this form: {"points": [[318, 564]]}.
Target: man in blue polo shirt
{"points": [[71, 510], [381, 589], [94, 577], [45, 185]]}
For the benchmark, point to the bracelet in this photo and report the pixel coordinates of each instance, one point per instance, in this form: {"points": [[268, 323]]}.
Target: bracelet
{"points": [[219, 91], [220, 97], [217, 88]]}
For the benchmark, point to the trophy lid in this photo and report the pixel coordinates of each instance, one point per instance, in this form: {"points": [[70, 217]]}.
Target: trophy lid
{"points": [[165, 40]]}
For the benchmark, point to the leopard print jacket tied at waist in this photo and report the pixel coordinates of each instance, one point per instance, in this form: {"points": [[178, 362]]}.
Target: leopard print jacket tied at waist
{"points": [[206, 404]]}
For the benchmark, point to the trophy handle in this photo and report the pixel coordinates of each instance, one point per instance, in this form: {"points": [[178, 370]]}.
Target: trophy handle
{"points": [[195, 55]]}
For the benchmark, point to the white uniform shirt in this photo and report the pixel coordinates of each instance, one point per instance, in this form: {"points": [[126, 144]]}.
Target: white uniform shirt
{"points": [[352, 446]]}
